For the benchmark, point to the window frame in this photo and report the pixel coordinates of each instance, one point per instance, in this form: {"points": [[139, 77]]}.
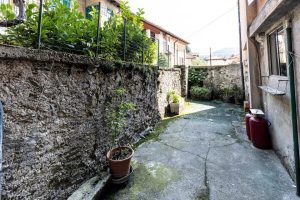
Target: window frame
{"points": [[276, 70]]}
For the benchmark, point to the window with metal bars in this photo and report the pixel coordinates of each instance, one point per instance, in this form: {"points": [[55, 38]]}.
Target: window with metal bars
{"points": [[277, 52]]}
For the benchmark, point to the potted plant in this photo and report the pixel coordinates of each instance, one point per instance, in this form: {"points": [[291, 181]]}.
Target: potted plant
{"points": [[176, 102], [119, 157]]}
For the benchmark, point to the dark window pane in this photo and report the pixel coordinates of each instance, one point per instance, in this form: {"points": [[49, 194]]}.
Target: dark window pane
{"points": [[89, 9], [273, 54], [277, 52], [282, 53]]}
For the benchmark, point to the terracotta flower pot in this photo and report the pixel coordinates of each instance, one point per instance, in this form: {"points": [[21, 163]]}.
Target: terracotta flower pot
{"points": [[119, 168]]}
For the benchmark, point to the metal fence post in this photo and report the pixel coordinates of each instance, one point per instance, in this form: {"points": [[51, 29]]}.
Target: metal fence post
{"points": [[168, 56], [98, 29], [1, 141], [39, 34], [157, 52], [143, 52], [124, 40]]}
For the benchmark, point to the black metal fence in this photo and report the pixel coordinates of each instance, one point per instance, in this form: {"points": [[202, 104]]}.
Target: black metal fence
{"points": [[129, 51]]}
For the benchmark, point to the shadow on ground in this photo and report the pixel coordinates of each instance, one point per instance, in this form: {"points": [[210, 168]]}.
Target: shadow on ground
{"points": [[204, 154]]}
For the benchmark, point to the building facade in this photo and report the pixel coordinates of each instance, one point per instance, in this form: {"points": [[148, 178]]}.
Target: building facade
{"points": [[270, 47], [170, 45]]}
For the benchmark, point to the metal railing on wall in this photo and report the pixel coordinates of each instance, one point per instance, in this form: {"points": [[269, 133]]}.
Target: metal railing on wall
{"points": [[128, 50], [1, 141]]}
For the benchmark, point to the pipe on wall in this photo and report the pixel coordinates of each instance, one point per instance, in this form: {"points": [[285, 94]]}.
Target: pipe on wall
{"points": [[241, 52], [293, 104], [1, 138]]}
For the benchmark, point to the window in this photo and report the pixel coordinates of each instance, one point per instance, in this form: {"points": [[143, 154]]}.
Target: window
{"points": [[277, 53], [152, 35], [110, 13], [89, 9], [67, 3], [165, 46]]}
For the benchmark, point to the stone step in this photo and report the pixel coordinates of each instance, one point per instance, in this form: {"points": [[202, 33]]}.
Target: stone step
{"points": [[92, 189]]}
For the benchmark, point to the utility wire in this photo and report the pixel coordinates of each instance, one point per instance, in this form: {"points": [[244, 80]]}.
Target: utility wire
{"points": [[212, 21]]}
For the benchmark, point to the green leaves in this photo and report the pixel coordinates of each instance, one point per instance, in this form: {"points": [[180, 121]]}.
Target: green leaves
{"points": [[163, 60], [6, 12], [196, 76], [117, 112], [173, 97], [66, 29]]}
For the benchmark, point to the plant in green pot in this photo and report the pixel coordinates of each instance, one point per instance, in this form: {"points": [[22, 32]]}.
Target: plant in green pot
{"points": [[119, 157], [176, 102]]}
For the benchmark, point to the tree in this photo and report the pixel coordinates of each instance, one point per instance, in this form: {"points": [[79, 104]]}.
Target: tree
{"points": [[163, 60], [7, 22], [198, 62]]}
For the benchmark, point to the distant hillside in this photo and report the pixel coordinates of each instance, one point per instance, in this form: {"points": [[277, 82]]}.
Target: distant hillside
{"points": [[224, 53]]}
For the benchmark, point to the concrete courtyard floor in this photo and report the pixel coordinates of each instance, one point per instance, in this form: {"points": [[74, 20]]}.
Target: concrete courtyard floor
{"points": [[205, 154]]}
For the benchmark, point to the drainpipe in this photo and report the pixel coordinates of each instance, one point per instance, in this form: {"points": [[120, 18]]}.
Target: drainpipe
{"points": [[241, 52], [293, 105], [1, 136]]}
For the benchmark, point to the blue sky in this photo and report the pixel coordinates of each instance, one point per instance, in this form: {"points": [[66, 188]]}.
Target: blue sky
{"points": [[189, 18]]}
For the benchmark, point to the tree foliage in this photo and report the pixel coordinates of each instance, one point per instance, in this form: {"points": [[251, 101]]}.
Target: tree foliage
{"points": [[66, 29], [8, 18], [163, 60], [196, 77], [117, 113]]}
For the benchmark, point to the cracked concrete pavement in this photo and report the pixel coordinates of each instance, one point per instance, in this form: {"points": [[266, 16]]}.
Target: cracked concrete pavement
{"points": [[205, 154]]}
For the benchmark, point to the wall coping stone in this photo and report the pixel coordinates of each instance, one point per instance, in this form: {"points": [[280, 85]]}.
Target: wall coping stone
{"points": [[169, 69], [9, 52], [214, 67], [92, 188]]}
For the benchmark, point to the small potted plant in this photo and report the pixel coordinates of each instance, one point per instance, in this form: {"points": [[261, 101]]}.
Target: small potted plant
{"points": [[176, 102], [119, 157]]}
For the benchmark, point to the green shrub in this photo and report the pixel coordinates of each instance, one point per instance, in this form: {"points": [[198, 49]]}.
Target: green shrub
{"points": [[173, 97], [232, 94], [163, 60], [200, 93], [176, 98], [66, 29], [117, 113], [196, 77]]}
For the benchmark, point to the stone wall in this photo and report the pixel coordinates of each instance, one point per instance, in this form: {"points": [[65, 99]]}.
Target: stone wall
{"points": [[184, 80], [55, 137], [222, 77], [168, 80]]}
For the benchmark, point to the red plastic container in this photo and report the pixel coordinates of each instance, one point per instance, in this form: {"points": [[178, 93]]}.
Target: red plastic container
{"points": [[247, 119], [259, 133]]}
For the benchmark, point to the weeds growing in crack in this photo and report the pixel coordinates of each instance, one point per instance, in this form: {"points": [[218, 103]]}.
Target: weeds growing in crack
{"points": [[203, 194]]}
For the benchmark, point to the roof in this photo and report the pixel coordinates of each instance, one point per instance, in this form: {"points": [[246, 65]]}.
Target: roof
{"points": [[165, 31], [117, 2]]}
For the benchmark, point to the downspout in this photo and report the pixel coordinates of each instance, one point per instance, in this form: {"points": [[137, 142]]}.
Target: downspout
{"points": [[293, 105], [1, 136], [175, 51], [241, 53]]}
